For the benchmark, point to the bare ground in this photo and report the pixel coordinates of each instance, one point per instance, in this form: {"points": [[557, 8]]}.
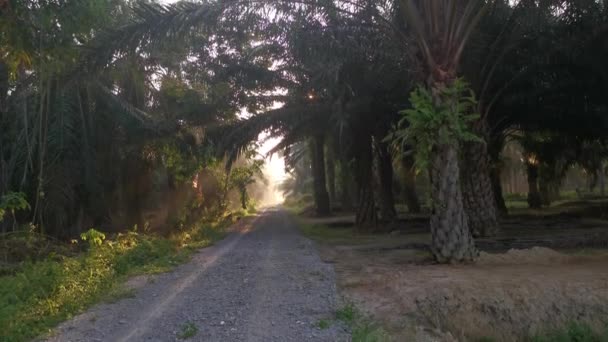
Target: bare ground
{"points": [[505, 295], [265, 282]]}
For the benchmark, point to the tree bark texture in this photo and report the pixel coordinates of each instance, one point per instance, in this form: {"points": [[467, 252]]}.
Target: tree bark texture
{"points": [[4, 84], [388, 212], [331, 175], [602, 179], [534, 199], [478, 194], [366, 216], [499, 199], [409, 185], [346, 186], [322, 205], [451, 239]]}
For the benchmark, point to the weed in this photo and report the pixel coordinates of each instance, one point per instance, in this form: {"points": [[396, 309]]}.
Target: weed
{"points": [[187, 331], [363, 330], [346, 314], [323, 324], [368, 332]]}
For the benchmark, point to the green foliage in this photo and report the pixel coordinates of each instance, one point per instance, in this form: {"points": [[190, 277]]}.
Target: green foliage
{"points": [[298, 203], [187, 331], [94, 237], [41, 294], [242, 176], [12, 202], [437, 117]]}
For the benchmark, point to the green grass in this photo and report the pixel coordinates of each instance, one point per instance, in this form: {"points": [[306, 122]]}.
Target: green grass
{"points": [[346, 314], [485, 339], [334, 235], [323, 324], [324, 233], [574, 332], [363, 330], [187, 331], [44, 293]]}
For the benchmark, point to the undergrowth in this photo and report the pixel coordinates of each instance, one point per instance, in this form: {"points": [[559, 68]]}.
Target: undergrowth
{"points": [[324, 233], [362, 328], [574, 332], [298, 204], [41, 294], [333, 235]]}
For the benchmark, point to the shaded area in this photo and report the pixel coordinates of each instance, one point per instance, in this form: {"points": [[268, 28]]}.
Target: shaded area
{"points": [[264, 282], [543, 271]]}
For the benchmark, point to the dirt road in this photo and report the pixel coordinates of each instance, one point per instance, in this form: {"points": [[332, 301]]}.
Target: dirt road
{"points": [[263, 283]]}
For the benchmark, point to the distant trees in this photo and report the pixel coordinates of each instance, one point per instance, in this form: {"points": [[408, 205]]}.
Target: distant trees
{"points": [[103, 103], [101, 112]]}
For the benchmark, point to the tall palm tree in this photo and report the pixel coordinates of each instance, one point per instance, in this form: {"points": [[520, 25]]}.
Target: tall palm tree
{"points": [[442, 29]]}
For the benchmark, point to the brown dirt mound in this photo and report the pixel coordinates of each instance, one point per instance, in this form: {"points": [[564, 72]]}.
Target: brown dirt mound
{"points": [[534, 255]]}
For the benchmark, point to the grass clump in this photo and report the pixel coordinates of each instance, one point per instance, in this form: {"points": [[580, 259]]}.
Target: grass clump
{"points": [[363, 330], [41, 294], [574, 332], [323, 324], [187, 331], [346, 314]]}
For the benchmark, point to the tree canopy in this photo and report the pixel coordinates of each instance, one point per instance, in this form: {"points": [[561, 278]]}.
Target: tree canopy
{"points": [[104, 103]]}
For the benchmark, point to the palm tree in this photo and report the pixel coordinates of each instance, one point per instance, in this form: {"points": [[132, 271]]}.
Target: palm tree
{"points": [[442, 29]]}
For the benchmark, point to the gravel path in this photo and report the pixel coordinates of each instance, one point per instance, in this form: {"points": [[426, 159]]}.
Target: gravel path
{"points": [[263, 283]]}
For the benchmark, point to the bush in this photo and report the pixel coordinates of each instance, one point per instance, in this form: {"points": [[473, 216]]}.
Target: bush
{"points": [[40, 294]]}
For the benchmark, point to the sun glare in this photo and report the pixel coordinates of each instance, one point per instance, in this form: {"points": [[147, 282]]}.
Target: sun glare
{"points": [[274, 171]]}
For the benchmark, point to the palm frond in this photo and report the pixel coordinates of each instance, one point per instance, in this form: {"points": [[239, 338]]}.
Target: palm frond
{"points": [[154, 24], [443, 27], [301, 117]]}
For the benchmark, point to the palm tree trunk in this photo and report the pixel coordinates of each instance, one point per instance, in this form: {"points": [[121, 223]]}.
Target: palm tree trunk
{"points": [[534, 200], [385, 175], [4, 78], [602, 177], [321, 196], [346, 186], [409, 185], [331, 175], [366, 216], [244, 199], [451, 239], [478, 194], [544, 190], [499, 199], [4, 84]]}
